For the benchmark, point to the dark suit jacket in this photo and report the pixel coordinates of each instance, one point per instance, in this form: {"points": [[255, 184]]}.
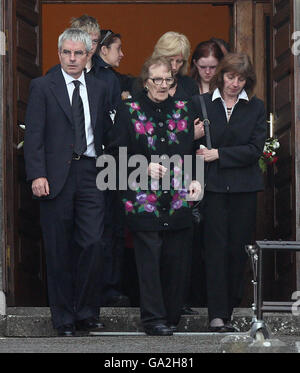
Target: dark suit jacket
{"points": [[240, 143], [49, 136], [102, 71]]}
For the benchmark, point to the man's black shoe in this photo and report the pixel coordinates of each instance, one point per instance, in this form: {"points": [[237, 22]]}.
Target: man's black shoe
{"points": [[158, 329], [67, 330], [186, 310], [89, 324], [118, 301], [172, 327]]}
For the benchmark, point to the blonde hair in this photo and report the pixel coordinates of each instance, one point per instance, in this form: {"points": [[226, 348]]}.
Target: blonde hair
{"points": [[86, 23], [172, 44]]}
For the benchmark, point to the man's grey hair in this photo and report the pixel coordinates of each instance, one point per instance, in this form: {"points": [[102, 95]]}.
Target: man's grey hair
{"points": [[76, 34]]}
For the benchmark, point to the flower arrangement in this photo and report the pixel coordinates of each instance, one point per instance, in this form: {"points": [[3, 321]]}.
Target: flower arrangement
{"points": [[269, 154]]}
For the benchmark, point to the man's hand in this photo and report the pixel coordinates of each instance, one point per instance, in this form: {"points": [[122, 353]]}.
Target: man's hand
{"points": [[156, 170], [209, 155], [40, 187]]}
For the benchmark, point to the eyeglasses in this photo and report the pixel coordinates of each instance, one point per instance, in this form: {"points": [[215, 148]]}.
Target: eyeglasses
{"points": [[159, 81], [95, 41], [109, 32]]}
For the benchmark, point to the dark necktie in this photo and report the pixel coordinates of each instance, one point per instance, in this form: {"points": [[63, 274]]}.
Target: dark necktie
{"points": [[80, 145]]}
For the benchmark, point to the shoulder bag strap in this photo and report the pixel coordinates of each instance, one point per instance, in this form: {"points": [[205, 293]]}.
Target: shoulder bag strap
{"points": [[206, 122]]}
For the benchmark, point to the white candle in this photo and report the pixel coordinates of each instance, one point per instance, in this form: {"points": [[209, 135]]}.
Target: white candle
{"points": [[271, 125]]}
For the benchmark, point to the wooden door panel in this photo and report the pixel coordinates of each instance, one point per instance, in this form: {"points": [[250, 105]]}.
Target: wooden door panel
{"points": [[282, 175], [25, 272], [30, 268]]}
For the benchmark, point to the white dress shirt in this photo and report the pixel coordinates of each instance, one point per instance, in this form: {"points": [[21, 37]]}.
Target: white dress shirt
{"points": [[90, 152], [217, 94]]}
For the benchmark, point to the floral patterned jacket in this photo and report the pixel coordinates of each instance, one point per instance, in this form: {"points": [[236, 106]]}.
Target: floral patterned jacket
{"points": [[163, 129]]}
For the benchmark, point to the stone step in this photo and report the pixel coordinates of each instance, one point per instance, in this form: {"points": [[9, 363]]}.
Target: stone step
{"points": [[36, 321]]}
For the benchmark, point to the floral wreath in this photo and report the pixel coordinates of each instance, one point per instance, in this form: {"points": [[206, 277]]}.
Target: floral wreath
{"points": [[269, 154]]}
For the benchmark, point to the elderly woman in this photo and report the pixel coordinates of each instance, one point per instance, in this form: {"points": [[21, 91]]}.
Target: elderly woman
{"points": [[205, 60], [159, 217], [176, 48], [238, 133]]}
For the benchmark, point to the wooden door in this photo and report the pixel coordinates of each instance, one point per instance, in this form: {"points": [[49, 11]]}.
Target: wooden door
{"points": [[25, 283], [281, 178]]}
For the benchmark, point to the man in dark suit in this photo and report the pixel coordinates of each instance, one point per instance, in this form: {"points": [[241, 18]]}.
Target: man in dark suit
{"points": [[67, 122]]}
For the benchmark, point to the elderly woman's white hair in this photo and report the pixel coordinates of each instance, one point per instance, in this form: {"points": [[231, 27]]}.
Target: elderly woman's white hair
{"points": [[172, 44]]}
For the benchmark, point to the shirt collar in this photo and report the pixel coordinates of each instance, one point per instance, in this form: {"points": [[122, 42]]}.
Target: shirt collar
{"points": [[69, 79], [217, 94]]}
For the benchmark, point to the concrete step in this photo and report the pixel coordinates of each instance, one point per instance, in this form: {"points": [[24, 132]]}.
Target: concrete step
{"points": [[36, 321]]}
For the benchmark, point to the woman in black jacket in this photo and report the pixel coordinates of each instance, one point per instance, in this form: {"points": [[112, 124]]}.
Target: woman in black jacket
{"points": [[238, 133], [159, 216]]}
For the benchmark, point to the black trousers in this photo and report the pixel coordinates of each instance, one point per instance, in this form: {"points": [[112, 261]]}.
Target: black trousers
{"points": [[72, 225], [161, 259], [114, 245], [229, 222]]}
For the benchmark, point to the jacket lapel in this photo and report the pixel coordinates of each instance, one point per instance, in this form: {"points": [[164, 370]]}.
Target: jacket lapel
{"points": [[59, 89]]}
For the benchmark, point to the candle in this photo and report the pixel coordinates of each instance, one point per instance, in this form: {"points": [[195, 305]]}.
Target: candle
{"points": [[271, 125]]}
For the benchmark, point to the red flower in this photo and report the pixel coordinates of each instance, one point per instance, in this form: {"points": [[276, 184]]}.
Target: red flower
{"points": [[267, 155], [152, 198]]}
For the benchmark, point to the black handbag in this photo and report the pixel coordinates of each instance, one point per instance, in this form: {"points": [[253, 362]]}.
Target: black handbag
{"points": [[197, 210]]}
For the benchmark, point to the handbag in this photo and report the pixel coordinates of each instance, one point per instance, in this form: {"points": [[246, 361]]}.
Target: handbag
{"points": [[197, 210]]}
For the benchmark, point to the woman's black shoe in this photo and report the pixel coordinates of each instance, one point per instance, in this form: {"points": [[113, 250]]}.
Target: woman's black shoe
{"points": [[67, 330], [89, 324], [158, 329]]}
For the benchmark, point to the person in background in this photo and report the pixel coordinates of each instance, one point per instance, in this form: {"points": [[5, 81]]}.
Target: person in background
{"points": [[176, 48], [112, 236], [159, 217], [204, 62], [225, 47], [91, 26], [233, 178], [110, 50], [109, 54]]}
